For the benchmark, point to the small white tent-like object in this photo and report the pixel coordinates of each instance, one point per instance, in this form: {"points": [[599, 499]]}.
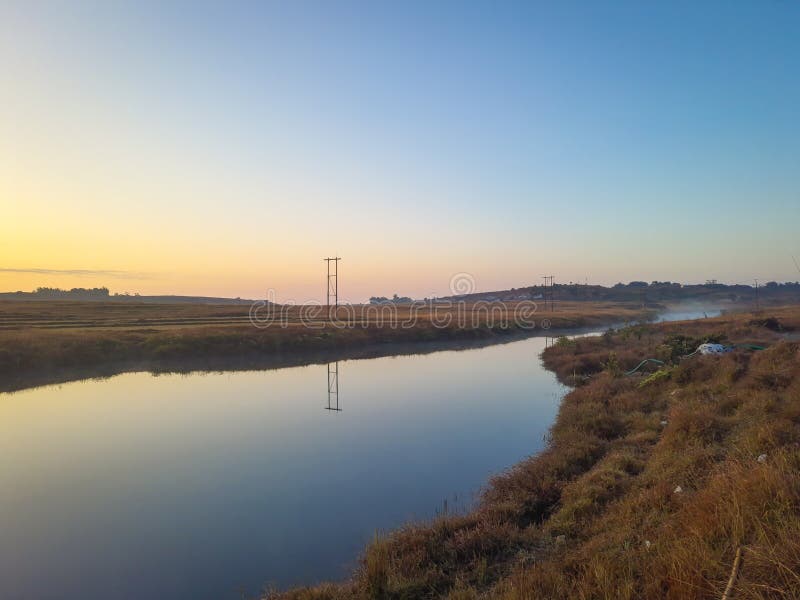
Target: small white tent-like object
{"points": [[714, 349]]}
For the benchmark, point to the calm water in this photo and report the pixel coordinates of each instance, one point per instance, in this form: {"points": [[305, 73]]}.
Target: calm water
{"points": [[204, 485]]}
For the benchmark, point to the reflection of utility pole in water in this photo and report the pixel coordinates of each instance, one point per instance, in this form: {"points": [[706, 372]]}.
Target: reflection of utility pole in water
{"points": [[333, 387]]}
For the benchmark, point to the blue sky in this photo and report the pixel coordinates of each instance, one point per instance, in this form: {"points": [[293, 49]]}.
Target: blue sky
{"points": [[227, 147]]}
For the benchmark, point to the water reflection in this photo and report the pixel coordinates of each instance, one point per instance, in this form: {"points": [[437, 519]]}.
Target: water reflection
{"points": [[195, 486], [333, 387]]}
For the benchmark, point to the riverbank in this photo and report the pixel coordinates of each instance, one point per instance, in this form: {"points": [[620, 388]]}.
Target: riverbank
{"points": [[52, 342], [650, 486]]}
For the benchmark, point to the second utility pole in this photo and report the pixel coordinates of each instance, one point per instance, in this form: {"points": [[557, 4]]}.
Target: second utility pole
{"points": [[548, 284]]}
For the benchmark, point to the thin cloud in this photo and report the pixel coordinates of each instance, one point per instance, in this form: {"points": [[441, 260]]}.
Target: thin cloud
{"points": [[81, 273]]}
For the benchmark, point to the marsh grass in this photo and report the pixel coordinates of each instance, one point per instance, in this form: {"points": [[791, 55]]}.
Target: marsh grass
{"points": [[37, 338]]}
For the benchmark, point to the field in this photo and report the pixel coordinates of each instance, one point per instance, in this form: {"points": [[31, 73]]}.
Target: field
{"points": [[651, 485], [60, 315], [52, 341]]}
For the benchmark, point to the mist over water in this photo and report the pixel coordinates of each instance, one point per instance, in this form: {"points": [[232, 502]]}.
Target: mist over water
{"points": [[690, 310]]}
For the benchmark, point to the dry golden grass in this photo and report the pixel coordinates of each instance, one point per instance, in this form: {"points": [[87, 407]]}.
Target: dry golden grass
{"points": [[15, 315], [597, 514]]}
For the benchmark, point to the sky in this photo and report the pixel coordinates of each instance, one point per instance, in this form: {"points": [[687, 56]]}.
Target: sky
{"points": [[226, 148]]}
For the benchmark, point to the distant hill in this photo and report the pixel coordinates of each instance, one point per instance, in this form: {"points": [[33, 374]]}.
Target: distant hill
{"points": [[103, 295], [655, 292]]}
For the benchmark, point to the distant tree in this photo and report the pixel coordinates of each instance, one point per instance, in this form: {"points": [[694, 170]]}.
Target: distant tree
{"points": [[74, 293]]}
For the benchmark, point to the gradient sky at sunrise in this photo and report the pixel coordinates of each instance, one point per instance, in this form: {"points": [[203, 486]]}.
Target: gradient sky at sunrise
{"points": [[226, 148]]}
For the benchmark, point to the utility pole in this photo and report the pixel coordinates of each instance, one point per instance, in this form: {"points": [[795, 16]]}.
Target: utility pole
{"points": [[333, 281], [548, 290], [758, 306]]}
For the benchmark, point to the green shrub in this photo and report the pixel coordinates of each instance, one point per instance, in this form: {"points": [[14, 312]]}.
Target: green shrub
{"points": [[658, 376], [612, 365]]}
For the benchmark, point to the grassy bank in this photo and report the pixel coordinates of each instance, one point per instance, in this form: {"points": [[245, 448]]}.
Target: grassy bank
{"points": [[53, 341], [649, 486]]}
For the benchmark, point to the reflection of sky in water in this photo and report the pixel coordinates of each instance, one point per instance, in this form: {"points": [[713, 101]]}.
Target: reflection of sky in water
{"points": [[196, 486]]}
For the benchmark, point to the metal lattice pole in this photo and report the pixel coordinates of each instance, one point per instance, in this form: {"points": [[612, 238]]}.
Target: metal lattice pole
{"points": [[333, 281]]}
